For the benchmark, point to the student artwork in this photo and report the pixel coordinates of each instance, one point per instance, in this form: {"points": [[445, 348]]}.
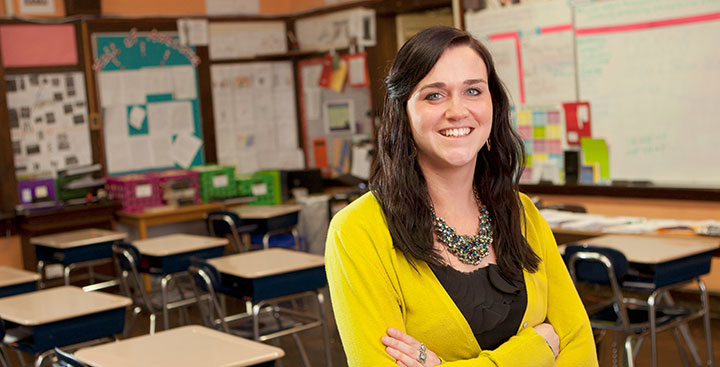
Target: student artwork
{"points": [[577, 122], [148, 93], [48, 122], [542, 133]]}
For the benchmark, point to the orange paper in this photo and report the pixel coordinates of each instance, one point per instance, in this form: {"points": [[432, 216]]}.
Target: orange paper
{"points": [[38, 45]]}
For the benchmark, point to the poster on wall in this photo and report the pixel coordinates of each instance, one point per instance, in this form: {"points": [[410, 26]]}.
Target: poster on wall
{"points": [[148, 94], [48, 122]]}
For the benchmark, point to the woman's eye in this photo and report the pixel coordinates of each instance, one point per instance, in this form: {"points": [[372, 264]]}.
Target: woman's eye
{"points": [[433, 96], [474, 92]]}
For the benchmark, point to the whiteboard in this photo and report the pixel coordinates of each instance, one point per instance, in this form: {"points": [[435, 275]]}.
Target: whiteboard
{"points": [[649, 68], [651, 71]]}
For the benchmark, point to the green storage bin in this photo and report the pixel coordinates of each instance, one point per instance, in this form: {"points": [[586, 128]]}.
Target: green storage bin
{"points": [[216, 181], [266, 188]]}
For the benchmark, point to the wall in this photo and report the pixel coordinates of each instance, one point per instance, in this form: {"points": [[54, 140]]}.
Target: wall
{"points": [[195, 7], [10, 252]]}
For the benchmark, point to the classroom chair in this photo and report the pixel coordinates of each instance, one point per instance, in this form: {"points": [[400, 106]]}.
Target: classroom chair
{"points": [[65, 359], [630, 318], [127, 261], [227, 224], [207, 288]]}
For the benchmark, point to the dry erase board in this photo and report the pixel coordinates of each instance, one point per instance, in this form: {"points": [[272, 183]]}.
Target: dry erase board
{"points": [[147, 83], [649, 68]]}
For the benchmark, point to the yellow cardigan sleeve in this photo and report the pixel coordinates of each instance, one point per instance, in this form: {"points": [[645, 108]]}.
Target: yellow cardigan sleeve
{"points": [[565, 311]]}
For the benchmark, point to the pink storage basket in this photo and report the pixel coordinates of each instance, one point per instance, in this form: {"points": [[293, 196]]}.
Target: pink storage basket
{"points": [[135, 191], [190, 178]]}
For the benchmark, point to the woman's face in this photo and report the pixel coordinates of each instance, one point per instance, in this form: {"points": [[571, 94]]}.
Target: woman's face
{"points": [[450, 110]]}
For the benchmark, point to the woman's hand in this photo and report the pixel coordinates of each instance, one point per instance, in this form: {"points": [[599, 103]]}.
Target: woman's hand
{"points": [[548, 332], [407, 351]]}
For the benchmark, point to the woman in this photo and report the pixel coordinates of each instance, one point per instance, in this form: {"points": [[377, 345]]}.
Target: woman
{"points": [[444, 261]]}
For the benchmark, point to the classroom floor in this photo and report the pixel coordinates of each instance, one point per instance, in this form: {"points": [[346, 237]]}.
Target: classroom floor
{"points": [[313, 341]]}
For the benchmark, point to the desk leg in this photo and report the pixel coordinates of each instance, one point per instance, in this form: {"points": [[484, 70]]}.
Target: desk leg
{"points": [[326, 336], [142, 229], [653, 329], [41, 271], [163, 288]]}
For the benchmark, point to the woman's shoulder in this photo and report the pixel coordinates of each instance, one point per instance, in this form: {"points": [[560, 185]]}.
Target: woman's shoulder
{"points": [[363, 211]]}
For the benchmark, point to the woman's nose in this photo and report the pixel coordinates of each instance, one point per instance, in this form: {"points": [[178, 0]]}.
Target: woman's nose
{"points": [[456, 109]]}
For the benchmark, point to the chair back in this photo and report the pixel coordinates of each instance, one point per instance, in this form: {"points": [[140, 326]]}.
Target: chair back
{"points": [[206, 283], [127, 261], [594, 264], [225, 224], [65, 359]]}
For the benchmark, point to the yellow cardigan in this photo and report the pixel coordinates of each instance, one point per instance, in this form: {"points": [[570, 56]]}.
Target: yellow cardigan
{"points": [[373, 287]]}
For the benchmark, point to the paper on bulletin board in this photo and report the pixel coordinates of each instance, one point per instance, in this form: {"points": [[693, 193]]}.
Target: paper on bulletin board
{"points": [[595, 151], [225, 7], [46, 7], [234, 40], [361, 161], [578, 123], [341, 156], [193, 32], [48, 118], [338, 116]]}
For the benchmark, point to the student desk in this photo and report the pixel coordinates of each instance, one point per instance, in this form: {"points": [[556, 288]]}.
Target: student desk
{"points": [[271, 219], [81, 248], [184, 346], [170, 255], [14, 281], [148, 218], [271, 275], [63, 316], [666, 261]]}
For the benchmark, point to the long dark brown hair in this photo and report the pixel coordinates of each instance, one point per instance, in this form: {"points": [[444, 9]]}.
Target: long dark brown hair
{"points": [[398, 183]]}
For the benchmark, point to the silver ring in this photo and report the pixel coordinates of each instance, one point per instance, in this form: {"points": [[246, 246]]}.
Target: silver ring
{"points": [[422, 356]]}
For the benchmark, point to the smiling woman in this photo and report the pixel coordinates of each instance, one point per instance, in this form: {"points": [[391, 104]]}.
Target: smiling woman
{"points": [[444, 261]]}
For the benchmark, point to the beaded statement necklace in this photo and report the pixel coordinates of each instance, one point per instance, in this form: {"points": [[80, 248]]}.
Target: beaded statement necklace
{"points": [[469, 249]]}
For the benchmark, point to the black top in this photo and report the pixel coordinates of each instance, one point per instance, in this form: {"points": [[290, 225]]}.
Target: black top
{"points": [[492, 304]]}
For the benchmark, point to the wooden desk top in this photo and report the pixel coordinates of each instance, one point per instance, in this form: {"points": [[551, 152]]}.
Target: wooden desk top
{"points": [[170, 211], [265, 211], [55, 304], [654, 249], [11, 276], [262, 263], [177, 244], [184, 346], [77, 238]]}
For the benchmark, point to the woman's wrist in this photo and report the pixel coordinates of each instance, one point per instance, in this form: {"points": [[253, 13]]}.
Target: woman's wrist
{"points": [[549, 346]]}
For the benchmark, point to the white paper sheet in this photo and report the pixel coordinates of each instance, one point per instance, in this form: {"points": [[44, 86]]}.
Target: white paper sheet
{"points": [[181, 117], [137, 117], [184, 149], [360, 164], [184, 82], [159, 80], [193, 32]]}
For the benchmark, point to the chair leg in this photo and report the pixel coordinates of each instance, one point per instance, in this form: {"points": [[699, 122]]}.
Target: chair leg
{"points": [[653, 328], [129, 325], [40, 358], [152, 323], [685, 332], [3, 359], [324, 328], [680, 347], [629, 351], [164, 282], [301, 350], [706, 321]]}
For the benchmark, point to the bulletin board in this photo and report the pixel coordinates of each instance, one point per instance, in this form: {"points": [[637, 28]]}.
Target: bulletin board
{"points": [[46, 98], [255, 116], [331, 120], [148, 94], [647, 68]]}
